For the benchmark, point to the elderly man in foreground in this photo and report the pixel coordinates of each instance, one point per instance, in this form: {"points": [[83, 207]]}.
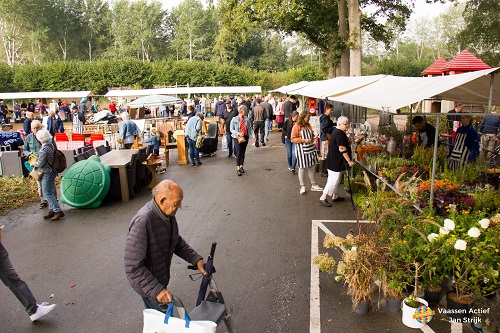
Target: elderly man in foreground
{"points": [[153, 238]]}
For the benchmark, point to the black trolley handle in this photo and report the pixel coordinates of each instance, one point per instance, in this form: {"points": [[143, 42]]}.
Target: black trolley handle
{"points": [[211, 255]]}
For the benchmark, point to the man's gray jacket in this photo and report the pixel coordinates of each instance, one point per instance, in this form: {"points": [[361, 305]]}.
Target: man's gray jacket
{"points": [[152, 240]]}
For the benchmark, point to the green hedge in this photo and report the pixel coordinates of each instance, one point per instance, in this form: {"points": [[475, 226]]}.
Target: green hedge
{"points": [[99, 76]]}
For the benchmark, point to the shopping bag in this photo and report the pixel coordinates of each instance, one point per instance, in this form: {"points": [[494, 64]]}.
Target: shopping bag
{"points": [[224, 143], [157, 322]]}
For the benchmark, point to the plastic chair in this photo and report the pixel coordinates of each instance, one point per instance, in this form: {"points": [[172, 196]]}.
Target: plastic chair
{"points": [[89, 153], [96, 137], [58, 137], [101, 150], [142, 171], [132, 175], [77, 137], [79, 157]]}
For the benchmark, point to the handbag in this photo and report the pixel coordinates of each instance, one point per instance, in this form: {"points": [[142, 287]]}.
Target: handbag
{"points": [[156, 321], [199, 141], [241, 139], [36, 174]]}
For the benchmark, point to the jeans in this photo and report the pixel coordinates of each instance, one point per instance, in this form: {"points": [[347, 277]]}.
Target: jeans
{"points": [[230, 145], [258, 128], [239, 150], [290, 153], [18, 287], [194, 153], [268, 128], [48, 188]]}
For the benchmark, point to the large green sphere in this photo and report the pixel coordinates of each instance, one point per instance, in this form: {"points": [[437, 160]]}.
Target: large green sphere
{"points": [[85, 183]]}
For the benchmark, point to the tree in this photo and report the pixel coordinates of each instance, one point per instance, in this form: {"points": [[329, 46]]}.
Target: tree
{"points": [[195, 30], [138, 30], [93, 17], [481, 34]]}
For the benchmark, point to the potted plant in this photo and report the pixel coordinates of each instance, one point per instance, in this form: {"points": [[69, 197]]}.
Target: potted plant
{"points": [[489, 327], [356, 268], [410, 305], [471, 243]]}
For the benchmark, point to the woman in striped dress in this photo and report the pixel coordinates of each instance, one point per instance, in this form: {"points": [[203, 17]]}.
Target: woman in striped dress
{"points": [[305, 151], [465, 146]]}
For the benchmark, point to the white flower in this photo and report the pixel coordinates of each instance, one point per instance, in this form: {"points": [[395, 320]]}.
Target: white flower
{"points": [[474, 232], [484, 223], [460, 245], [432, 237], [444, 231], [449, 224]]}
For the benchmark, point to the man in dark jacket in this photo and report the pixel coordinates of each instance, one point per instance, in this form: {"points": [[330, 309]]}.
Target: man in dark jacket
{"points": [[259, 116], [326, 128], [426, 132], [153, 238], [290, 106]]}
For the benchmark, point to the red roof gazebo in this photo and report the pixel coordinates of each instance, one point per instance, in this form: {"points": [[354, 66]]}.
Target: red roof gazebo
{"points": [[436, 67], [464, 62]]}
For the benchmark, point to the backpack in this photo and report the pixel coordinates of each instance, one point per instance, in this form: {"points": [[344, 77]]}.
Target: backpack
{"points": [[59, 164]]}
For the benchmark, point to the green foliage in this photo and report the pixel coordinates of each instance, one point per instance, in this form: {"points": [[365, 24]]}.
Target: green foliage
{"points": [[399, 67], [16, 191]]}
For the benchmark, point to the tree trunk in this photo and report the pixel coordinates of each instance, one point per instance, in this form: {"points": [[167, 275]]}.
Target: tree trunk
{"points": [[343, 70], [354, 37]]}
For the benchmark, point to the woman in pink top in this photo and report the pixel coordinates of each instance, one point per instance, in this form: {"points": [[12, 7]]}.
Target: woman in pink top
{"points": [[279, 112]]}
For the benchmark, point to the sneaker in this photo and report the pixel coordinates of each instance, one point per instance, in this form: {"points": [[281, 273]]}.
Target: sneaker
{"points": [[290, 169], [42, 310], [302, 190], [199, 163], [338, 199], [162, 170], [253, 144], [242, 171], [193, 164], [316, 188], [263, 144], [239, 172], [49, 215], [57, 216]]}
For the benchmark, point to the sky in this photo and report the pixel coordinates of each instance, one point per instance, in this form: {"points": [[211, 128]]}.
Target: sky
{"points": [[421, 7]]}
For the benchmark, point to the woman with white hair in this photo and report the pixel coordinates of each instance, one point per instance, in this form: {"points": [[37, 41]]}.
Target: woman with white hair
{"points": [[44, 161], [339, 156]]}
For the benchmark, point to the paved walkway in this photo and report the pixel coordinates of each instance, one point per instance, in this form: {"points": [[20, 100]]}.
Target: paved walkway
{"points": [[263, 259]]}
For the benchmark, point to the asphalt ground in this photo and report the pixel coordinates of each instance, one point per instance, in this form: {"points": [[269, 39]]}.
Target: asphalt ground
{"points": [[263, 229]]}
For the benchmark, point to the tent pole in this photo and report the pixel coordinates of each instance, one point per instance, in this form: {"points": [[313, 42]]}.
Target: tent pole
{"points": [[434, 159], [492, 80]]}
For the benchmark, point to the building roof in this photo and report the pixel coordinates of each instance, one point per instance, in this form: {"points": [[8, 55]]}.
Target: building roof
{"points": [[465, 61], [436, 67]]}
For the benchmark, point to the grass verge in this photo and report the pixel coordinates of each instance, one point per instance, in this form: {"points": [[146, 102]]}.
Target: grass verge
{"points": [[15, 192]]}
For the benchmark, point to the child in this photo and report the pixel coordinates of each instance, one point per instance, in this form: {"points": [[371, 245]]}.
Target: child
{"points": [[154, 139]]}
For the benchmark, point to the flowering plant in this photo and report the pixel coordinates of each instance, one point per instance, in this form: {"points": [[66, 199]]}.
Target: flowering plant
{"points": [[470, 246]]}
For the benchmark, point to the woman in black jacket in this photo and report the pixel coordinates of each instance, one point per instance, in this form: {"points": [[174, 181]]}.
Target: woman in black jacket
{"points": [[286, 135]]}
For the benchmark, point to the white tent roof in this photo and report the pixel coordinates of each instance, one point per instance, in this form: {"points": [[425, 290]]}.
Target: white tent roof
{"points": [[154, 100], [342, 84], [184, 91], [291, 87], [45, 94], [393, 92]]}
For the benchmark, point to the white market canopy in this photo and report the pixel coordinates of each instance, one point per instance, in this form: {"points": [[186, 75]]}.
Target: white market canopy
{"points": [[342, 84], [185, 91], [391, 93], [45, 94], [291, 87], [154, 101]]}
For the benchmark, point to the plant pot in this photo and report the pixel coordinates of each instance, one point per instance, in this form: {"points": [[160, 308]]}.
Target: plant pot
{"points": [[392, 304], [362, 307], [488, 331], [408, 313], [456, 309], [433, 296]]}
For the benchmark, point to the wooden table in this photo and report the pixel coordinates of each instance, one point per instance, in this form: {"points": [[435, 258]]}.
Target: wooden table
{"points": [[120, 159]]}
